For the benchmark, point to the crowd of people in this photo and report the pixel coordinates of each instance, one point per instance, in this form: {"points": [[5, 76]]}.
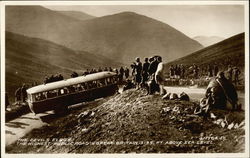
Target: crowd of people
{"points": [[53, 78], [147, 75], [180, 71], [221, 91]]}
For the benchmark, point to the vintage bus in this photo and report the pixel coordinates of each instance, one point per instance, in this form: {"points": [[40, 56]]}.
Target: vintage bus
{"points": [[59, 95]]}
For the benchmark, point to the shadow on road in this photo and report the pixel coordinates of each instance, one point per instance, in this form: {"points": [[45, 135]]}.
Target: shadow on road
{"points": [[16, 124], [9, 132]]}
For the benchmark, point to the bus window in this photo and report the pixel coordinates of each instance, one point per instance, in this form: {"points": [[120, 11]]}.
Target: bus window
{"points": [[79, 87], [71, 89], [111, 80], [40, 96], [108, 80], [103, 82], [43, 95], [98, 84], [37, 97], [52, 93], [84, 86], [94, 84], [90, 84], [62, 91]]}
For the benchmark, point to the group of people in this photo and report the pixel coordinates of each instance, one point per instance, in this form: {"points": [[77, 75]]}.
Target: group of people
{"points": [[180, 71], [93, 70], [144, 75], [193, 71], [53, 78], [233, 74], [21, 94]]}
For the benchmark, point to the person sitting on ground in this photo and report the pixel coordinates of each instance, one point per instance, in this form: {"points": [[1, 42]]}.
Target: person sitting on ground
{"points": [[129, 84], [222, 92]]}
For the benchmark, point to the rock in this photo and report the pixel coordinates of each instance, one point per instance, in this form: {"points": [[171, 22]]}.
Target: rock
{"points": [[176, 109], [173, 96], [242, 124], [85, 130], [166, 96], [84, 114], [236, 126], [230, 126], [212, 116], [183, 96], [92, 114], [223, 124], [166, 109]]}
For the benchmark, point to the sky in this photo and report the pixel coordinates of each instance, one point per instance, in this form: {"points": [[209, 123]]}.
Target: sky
{"points": [[192, 20]]}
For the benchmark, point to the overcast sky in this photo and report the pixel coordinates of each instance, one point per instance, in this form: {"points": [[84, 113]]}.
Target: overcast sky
{"points": [[193, 20]]}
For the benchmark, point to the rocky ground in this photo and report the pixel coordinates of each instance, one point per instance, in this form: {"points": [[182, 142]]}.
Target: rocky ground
{"points": [[133, 122]]}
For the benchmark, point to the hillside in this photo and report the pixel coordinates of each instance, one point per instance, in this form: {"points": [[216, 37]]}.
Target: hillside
{"points": [[77, 15], [121, 36], [230, 51], [208, 40], [133, 122], [31, 59]]}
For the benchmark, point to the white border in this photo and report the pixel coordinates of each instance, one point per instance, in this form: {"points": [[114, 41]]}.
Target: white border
{"points": [[224, 155]]}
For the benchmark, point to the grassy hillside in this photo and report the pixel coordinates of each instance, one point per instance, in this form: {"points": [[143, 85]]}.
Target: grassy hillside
{"points": [[229, 51], [31, 59], [121, 36]]}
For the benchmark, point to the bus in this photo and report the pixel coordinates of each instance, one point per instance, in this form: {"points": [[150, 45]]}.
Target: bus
{"points": [[59, 95]]}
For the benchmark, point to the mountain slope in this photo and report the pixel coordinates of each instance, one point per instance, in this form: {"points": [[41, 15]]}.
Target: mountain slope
{"points": [[208, 40], [127, 35], [29, 60], [121, 36], [230, 51], [77, 15]]}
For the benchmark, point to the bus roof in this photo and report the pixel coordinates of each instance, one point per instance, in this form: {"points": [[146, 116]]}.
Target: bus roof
{"points": [[69, 82]]}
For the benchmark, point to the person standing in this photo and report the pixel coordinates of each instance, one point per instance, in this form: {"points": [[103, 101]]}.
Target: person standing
{"points": [[171, 71], [216, 69], [18, 95], [236, 74], [145, 72], [230, 72], [121, 73], [160, 75], [210, 71], [24, 93], [138, 72], [126, 72]]}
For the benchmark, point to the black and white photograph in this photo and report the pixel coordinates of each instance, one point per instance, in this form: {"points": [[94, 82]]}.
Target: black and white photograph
{"points": [[131, 78]]}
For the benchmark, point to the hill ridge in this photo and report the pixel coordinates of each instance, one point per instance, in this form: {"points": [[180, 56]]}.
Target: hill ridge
{"points": [[121, 36]]}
